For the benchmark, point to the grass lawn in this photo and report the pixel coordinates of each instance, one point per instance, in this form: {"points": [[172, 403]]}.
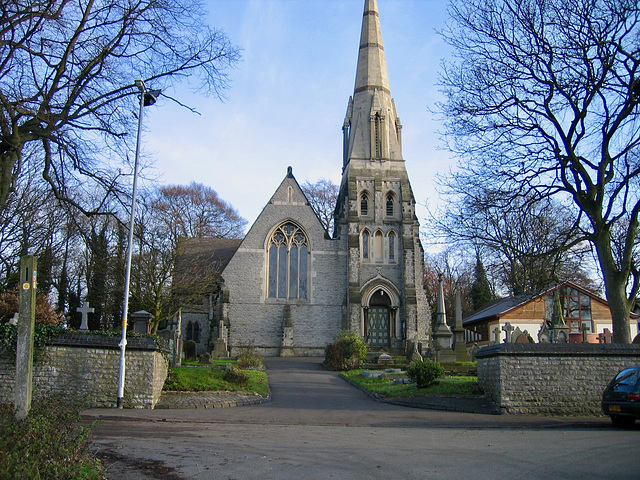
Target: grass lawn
{"points": [[385, 387], [208, 379]]}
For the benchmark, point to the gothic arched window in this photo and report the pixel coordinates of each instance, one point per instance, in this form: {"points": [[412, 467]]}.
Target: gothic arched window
{"points": [[364, 204], [365, 244], [193, 331], [288, 251], [378, 135], [390, 205], [392, 246]]}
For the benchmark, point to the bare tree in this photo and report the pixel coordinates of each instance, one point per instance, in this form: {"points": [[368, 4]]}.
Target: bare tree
{"points": [[542, 100], [322, 196], [195, 210], [525, 241], [67, 72], [170, 215]]}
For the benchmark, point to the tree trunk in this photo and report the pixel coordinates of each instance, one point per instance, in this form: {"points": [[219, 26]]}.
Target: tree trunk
{"points": [[616, 292], [8, 158]]}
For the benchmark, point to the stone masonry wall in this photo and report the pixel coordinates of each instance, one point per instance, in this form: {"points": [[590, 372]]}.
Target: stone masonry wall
{"points": [[551, 379], [91, 373]]}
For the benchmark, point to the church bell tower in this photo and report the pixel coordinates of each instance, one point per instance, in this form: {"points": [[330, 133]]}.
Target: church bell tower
{"points": [[375, 213]]}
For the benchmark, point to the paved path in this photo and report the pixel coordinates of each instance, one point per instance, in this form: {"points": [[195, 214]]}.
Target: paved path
{"points": [[317, 426], [304, 393]]}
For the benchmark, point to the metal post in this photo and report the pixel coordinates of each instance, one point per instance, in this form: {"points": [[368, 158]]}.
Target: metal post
{"points": [[127, 277]]}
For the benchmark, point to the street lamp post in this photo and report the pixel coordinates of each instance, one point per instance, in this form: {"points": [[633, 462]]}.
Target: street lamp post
{"points": [[146, 98]]}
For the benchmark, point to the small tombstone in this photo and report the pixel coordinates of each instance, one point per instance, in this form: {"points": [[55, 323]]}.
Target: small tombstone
{"points": [[519, 336], [605, 337], [543, 334], [496, 335], [190, 349], [14, 320], [508, 329], [204, 359], [85, 310], [141, 321], [385, 359], [415, 354], [474, 350]]}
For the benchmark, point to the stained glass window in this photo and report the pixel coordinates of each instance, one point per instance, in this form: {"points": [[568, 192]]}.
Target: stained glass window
{"points": [[365, 244], [288, 262]]}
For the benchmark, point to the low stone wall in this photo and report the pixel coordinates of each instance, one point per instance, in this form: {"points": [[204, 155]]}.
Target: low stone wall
{"points": [[551, 379], [86, 367]]}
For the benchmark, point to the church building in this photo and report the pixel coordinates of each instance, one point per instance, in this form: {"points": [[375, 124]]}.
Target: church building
{"points": [[289, 287]]}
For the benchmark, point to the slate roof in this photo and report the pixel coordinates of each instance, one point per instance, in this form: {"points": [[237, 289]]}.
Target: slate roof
{"points": [[200, 257]]}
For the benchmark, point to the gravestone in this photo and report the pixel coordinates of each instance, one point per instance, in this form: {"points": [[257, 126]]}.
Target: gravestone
{"points": [[141, 321], [543, 334], [287, 333], [385, 359], [605, 337], [508, 330], [496, 335], [190, 349], [442, 335], [460, 345], [26, 326], [85, 310], [14, 320]]}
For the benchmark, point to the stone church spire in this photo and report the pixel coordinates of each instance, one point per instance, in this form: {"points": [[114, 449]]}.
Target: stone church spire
{"points": [[375, 211], [371, 127]]}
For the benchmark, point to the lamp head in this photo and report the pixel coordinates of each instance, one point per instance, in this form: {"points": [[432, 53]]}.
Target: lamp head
{"points": [[140, 84]]}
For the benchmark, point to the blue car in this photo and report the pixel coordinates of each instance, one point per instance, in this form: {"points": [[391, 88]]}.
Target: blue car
{"points": [[621, 399]]}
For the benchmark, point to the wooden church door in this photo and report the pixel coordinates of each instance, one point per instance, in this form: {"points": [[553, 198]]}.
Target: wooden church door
{"points": [[379, 326]]}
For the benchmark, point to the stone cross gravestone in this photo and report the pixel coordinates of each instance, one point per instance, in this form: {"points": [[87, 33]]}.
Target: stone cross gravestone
{"points": [[85, 310], [605, 337], [496, 335], [508, 329]]}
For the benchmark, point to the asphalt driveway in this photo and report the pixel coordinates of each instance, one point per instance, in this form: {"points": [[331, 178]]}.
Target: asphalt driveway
{"points": [[317, 426]]}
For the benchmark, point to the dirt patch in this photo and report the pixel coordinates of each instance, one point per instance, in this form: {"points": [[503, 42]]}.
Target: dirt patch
{"points": [[121, 467]]}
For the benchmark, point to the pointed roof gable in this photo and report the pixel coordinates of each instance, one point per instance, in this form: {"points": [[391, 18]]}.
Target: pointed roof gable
{"points": [[288, 193]]}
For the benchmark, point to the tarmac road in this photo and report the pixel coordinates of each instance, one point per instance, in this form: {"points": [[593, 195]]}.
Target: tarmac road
{"points": [[319, 427]]}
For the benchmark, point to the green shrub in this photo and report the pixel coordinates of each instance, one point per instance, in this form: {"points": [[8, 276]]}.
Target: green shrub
{"points": [[236, 376], [249, 359], [347, 352], [424, 372], [47, 444]]}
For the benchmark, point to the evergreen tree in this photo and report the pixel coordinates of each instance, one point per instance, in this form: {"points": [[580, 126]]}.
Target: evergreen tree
{"points": [[480, 289]]}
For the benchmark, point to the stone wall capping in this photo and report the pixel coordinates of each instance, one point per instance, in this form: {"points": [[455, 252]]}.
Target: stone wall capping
{"points": [[558, 349], [82, 340]]}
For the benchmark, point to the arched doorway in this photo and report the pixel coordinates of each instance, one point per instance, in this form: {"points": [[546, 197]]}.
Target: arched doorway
{"points": [[378, 320]]}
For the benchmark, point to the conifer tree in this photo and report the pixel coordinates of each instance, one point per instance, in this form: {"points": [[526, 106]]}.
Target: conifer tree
{"points": [[480, 289]]}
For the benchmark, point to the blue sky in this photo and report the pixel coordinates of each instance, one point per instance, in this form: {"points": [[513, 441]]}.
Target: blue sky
{"points": [[288, 97]]}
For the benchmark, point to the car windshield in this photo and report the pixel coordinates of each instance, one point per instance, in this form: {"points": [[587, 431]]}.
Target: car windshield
{"points": [[626, 380]]}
